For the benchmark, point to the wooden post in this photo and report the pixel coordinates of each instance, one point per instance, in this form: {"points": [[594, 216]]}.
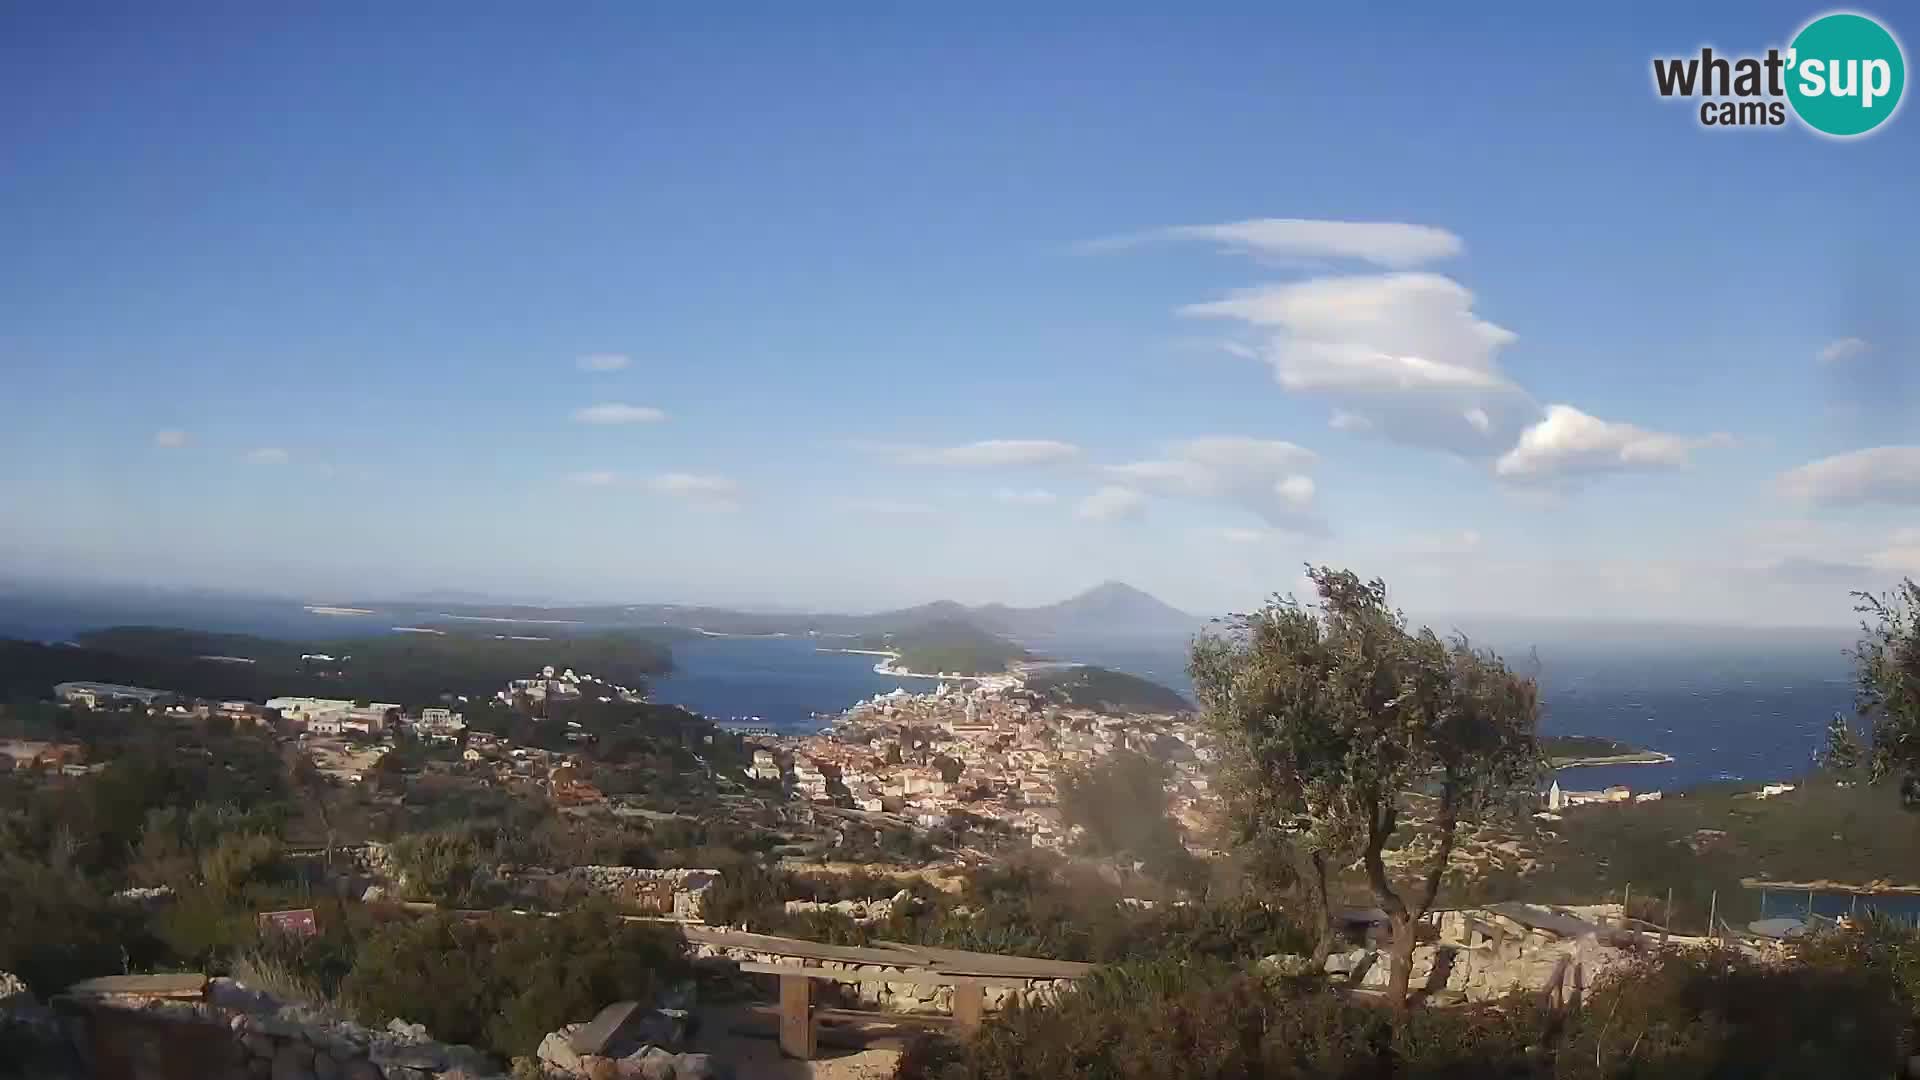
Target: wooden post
{"points": [[969, 1004], [1626, 906], [1713, 913], [1667, 927], [797, 1038]]}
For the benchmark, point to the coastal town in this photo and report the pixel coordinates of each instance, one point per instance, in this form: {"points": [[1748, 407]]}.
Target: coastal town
{"points": [[989, 750], [984, 750]]}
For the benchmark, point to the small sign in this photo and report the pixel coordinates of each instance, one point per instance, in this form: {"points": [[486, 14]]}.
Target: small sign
{"points": [[298, 922]]}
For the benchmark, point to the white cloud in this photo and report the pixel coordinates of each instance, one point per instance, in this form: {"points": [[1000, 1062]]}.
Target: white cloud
{"points": [[709, 492], [887, 507], [1383, 243], [596, 478], [1236, 452], [604, 362], [1296, 491], [1881, 474], [1261, 475], [1845, 348], [990, 453], [1342, 420], [1236, 535], [1111, 503], [1568, 441], [171, 438], [268, 455], [613, 412], [1478, 419], [1026, 497], [1371, 333]]}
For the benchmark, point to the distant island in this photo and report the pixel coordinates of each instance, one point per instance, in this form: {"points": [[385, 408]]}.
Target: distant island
{"points": [[408, 668], [1576, 751], [947, 646], [1079, 686]]}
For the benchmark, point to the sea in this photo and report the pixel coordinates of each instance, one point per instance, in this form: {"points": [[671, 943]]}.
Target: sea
{"points": [[1727, 705]]}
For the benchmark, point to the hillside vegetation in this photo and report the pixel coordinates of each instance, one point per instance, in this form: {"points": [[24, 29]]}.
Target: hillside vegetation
{"points": [[949, 645], [403, 668], [1105, 690]]}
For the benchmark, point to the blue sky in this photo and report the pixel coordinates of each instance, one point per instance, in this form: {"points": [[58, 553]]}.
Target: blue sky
{"points": [[989, 308]]}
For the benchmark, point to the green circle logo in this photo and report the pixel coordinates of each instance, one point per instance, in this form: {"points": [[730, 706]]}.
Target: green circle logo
{"points": [[1844, 74]]}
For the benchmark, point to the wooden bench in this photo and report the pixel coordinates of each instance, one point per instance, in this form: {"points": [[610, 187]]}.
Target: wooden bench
{"points": [[799, 1019]]}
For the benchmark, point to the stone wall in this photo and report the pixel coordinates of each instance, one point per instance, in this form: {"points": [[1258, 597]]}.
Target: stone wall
{"points": [[1484, 956], [686, 888], [900, 997], [237, 1034]]}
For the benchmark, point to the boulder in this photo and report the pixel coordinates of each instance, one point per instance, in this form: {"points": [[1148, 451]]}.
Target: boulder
{"points": [[652, 1063], [1286, 964], [406, 1030], [325, 1066], [13, 987], [1344, 963], [407, 1053], [555, 1051], [227, 993], [360, 1070], [1376, 975], [598, 1067], [699, 1067]]}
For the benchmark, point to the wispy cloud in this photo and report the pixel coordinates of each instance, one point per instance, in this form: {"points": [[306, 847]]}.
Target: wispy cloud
{"points": [[1880, 474], [171, 438], [1845, 348], [1389, 244], [987, 453], [1569, 442], [267, 455], [1025, 497], [706, 490], [1265, 476], [616, 413], [604, 362], [595, 478], [1111, 503]]}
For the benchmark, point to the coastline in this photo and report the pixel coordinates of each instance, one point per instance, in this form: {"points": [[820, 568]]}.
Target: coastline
{"points": [[1641, 757]]}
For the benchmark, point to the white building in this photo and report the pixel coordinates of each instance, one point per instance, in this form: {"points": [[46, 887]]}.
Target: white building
{"points": [[305, 710]]}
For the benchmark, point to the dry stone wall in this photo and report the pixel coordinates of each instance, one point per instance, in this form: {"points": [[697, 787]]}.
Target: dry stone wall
{"points": [[899, 997]]}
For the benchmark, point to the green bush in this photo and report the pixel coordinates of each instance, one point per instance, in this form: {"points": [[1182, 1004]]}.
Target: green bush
{"points": [[1674, 1016], [503, 981]]}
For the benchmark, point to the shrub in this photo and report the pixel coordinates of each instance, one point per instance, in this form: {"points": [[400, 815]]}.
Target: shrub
{"points": [[504, 982], [1675, 1016]]}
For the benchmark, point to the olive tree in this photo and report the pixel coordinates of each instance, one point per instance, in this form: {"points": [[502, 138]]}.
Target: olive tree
{"points": [[1330, 715], [1887, 680]]}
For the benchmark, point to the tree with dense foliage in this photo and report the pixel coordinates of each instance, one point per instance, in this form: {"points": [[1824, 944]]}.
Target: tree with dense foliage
{"points": [[1330, 715], [1887, 679]]}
